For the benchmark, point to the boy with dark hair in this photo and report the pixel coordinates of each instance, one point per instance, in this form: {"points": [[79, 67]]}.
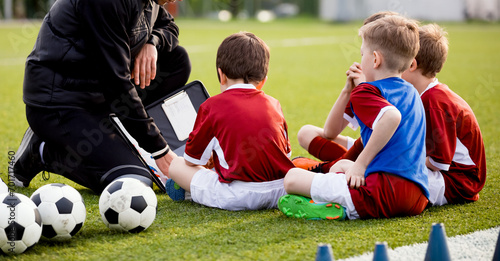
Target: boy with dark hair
{"points": [[242, 129], [455, 159], [389, 177]]}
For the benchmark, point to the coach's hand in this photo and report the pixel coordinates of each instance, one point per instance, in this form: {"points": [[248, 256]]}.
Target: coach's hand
{"points": [[164, 162], [145, 66]]}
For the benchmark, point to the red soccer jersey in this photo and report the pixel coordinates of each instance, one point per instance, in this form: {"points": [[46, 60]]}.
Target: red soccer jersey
{"points": [[369, 104], [454, 143], [247, 133]]}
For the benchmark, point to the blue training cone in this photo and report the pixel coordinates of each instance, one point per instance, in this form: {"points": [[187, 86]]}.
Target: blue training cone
{"points": [[437, 249], [496, 255], [380, 253], [324, 253]]}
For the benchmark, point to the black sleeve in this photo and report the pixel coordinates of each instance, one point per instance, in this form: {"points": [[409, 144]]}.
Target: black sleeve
{"points": [[165, 34], [105, 25]]}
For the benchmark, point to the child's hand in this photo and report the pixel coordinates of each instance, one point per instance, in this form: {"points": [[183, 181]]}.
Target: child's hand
{"points": [[210, 163], [355, 76], [355, 175]]}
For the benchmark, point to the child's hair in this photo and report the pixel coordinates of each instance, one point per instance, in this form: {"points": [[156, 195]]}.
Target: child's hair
{"points": [[244, 56], [379, 15], [396, 37], [433, 49]]}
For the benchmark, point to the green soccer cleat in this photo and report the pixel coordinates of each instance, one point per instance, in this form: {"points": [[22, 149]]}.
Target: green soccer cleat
{"points": [[301, 207]]}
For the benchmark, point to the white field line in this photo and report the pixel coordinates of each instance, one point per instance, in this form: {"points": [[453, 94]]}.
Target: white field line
{"points": [[202, 48], [477, 246]]}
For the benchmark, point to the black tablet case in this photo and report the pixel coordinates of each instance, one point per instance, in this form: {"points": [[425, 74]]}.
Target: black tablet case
{"points": [[197, 94]]}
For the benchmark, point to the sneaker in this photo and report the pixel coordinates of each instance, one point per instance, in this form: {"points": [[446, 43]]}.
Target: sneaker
{"points": [[174, 191], [301, 207], [308, 164], [27, 162]]}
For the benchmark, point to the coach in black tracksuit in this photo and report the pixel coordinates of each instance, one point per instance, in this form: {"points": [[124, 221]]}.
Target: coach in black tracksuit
{"points": [[87, 59]]}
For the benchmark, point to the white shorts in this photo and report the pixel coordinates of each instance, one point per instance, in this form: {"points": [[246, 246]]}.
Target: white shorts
{"points": [[436, 188], [206, 189], [332, 187]]}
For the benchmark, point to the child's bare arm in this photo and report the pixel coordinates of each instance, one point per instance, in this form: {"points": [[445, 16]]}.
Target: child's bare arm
{"points": [[335, 122], [382, 133]]}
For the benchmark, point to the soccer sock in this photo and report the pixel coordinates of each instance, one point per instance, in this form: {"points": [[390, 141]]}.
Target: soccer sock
{"points": [[40, 149], [326, 150], [354, 151], [351, 154]]}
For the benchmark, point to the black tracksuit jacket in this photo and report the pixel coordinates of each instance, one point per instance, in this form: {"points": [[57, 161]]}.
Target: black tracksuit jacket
{"points": [[83, 57]]}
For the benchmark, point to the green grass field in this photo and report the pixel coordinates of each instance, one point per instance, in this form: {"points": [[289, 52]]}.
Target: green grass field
{"points": [[307, 71]]}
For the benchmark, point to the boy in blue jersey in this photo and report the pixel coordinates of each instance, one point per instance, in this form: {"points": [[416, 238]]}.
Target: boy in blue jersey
{"points": [[389, 177]]}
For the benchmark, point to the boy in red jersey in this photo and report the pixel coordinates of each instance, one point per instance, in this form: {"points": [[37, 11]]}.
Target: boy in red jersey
{"points": [[455, 159], [245, 131]]}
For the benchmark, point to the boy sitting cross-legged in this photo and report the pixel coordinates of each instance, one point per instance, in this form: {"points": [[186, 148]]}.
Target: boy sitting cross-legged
{"points": [[389, 177], [320, 143], [245, 131], [456, 159]]}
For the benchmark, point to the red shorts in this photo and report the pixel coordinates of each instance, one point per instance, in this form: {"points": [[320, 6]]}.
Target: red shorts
{"points": [[387, 195]]}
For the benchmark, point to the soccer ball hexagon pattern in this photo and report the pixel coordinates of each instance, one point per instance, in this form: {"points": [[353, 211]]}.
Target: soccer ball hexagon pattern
{"points": [[20, 223], [128, 204], [62, 210]]}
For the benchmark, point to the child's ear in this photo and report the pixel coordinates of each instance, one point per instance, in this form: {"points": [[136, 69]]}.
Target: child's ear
{"points": [[261, 84], [413, 65], [377, 59], [222, 77]]}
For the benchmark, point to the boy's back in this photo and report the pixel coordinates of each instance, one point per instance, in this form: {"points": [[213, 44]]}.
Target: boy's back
{"points": [[251, 131], [454, 142], [404, 153], [242, 130], [455, 149]]}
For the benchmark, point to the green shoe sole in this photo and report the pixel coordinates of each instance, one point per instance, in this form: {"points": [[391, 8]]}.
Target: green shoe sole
{"points": [[301, 207]]}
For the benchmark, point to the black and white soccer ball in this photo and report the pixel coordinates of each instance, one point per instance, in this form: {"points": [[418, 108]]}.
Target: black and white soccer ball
{"points": [[62, 210], [20, 223], [128, 204]]}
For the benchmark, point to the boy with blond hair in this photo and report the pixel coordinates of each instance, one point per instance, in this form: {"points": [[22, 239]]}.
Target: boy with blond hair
{"points": [[455, 159], [245, 131], [389, 177], [320, 143]]}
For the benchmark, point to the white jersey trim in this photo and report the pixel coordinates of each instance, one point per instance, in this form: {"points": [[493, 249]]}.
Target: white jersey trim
{"points": [[462, 155], [438, 165], [207, 153], [381, 113], [241, 86], [353, 123], [431, 85]]}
